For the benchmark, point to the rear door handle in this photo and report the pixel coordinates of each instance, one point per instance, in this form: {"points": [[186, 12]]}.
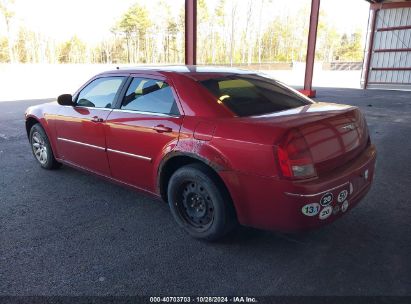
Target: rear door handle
{"points": [[162, 129], [97, 119]]}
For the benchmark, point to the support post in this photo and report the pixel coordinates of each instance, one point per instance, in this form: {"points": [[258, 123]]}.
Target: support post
{"points": [[370, 46], [312, 40], [190, 32]]}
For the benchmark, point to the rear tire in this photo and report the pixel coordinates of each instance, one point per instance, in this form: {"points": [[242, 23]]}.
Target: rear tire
{"points": [[41, 148], [199, 204]]}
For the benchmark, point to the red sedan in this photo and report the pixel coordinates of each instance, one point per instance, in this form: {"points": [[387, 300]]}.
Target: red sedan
{"points": [[221, 146]]}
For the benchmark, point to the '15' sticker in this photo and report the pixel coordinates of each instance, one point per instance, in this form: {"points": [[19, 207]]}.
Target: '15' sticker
{"points": [[311, 209]]}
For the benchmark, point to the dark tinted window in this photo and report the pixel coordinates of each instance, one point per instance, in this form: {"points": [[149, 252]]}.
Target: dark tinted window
{"points": [[150, 95], [100, 93], [254, 95]]}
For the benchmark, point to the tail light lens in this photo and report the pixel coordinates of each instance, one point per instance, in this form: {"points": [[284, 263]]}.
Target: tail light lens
{"points": [[294, 157]]}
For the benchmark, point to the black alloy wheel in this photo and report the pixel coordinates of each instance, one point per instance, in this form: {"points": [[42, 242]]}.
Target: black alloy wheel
{"points": [[199, 203]]}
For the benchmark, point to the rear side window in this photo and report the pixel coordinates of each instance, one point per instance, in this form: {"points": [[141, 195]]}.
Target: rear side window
{"points": [[254, 95], [100, 93], [150, 95]]}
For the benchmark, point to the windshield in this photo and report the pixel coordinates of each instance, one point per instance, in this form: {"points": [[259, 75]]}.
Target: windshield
{"points": [[248, 95]]}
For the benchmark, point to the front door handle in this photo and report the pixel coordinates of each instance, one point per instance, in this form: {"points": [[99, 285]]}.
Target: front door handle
{"points": [[96, 119], [162, 129]]}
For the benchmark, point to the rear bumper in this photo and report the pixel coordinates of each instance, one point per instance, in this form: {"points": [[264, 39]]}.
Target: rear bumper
{"points": [[284, 205]]}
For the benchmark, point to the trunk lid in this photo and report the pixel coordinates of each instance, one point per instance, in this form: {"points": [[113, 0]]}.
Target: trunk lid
{"points": [[335, 134]]}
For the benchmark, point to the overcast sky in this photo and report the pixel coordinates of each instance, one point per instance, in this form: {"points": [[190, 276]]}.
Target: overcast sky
{"points": [[92, 19]]}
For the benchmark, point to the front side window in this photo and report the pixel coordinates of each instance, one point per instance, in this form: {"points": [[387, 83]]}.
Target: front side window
{"points": [[100, 93], [150, 95], [250, 95]]}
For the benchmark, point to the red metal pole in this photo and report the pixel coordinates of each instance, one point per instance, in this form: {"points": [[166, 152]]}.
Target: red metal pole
{"points": [[386, 5], [370, 46], [191, 32], [312, 40]]}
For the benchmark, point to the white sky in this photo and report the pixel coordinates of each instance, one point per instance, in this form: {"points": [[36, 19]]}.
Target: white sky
{"points": [[347, 15], [91, 20]]}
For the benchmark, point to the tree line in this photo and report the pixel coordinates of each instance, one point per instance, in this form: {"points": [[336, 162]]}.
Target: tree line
{"points": [[232, 32]]}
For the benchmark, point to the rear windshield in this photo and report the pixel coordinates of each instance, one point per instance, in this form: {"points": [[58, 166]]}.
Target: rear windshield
{"points": [[249, 95]]}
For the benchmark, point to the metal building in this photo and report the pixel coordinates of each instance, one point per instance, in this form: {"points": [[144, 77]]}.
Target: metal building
{"points": [[387, 63]]}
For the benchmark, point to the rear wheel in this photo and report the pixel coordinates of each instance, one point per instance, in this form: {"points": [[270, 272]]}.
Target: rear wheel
{"points": [[41, 148], [199, 204]]}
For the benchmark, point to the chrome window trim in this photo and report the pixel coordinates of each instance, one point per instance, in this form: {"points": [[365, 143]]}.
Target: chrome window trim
{"points": [[130, 154], [315, 194], [93, 108], [81, 143], [146, 113]]}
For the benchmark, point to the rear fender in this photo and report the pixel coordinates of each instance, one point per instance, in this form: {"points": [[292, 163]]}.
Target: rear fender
{"points": [[204, 151], [197, 150]]}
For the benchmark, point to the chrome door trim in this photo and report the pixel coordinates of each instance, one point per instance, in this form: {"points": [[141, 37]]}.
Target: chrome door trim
{"points": [[81, 143], [104, 149], [130, 154]]}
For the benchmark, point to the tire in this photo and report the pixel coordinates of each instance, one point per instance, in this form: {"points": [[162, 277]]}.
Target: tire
{"points": [[199, 204], [41, 148]]}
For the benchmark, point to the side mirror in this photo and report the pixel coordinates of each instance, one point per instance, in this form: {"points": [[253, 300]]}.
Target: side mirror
{"points": [[65, 100]]}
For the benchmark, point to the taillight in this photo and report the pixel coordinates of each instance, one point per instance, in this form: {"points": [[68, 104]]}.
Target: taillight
{"points": [[294, 156]]}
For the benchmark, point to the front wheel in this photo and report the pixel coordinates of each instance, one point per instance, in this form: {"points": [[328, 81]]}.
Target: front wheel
{"points": [[40, 145], [199, 204]]}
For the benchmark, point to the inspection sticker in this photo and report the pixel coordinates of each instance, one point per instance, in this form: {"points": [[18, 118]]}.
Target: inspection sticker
{"points": [[344, 206], [342, 196], [311, 209], [326, 199], [326, 212]]}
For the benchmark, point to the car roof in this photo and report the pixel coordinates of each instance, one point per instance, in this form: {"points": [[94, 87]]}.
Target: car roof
{"points": [[195, 72]]}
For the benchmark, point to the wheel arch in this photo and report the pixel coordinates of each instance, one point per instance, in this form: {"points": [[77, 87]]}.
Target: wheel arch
{"points": [[172, 162], [30, 122]]}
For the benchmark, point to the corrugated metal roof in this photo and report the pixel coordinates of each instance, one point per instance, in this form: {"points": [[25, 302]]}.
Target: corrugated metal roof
{"points": [[387, 1]]}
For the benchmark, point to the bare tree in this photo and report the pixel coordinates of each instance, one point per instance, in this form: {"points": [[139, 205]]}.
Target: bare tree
{"points": [[231, 31], [246, 39], [8, 14], [232, 40]]}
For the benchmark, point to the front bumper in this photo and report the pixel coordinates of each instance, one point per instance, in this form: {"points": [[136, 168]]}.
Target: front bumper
{"points": [[284, 205]]}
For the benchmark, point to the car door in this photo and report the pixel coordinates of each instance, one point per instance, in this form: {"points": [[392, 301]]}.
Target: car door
{"points": [[146, 122], [80, 128]]}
